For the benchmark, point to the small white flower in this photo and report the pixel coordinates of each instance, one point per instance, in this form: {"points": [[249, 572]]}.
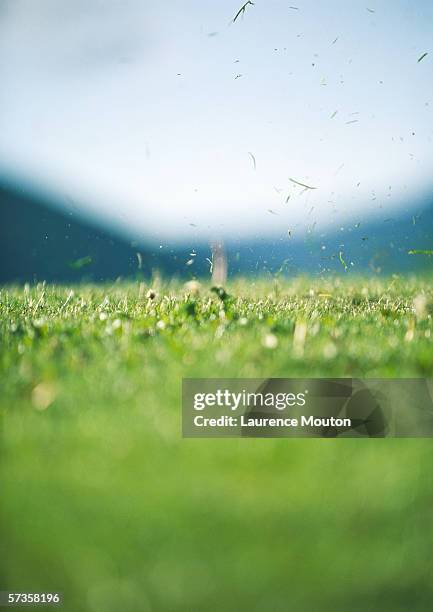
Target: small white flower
{"points": [[270, 341], [192, 286], [330, 351], [420, 306]]}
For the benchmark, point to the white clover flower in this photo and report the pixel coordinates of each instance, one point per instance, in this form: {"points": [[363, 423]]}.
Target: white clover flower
{"points": [[270, 341]]}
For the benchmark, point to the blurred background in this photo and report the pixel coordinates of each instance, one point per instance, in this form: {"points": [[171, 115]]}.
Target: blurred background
{"points": [[133, 134]]}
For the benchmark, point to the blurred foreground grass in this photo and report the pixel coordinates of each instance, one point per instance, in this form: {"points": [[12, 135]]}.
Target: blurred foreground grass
{"points": [[102, 499]]}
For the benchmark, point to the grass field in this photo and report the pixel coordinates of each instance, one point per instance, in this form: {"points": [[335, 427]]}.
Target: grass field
{"points": [[102, 499]]}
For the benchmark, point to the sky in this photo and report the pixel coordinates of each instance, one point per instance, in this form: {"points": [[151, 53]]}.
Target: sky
{"points": [[169, 120]]}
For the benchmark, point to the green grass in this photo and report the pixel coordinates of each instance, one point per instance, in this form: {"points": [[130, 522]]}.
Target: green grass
{"points": [[102, 499]]}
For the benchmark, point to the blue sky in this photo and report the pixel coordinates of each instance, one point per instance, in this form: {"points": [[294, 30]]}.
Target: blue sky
{"points": [[145, 113]]}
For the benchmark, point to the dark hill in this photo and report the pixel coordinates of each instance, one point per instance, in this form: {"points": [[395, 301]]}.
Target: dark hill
{"points": [[40, 241], [43, 242]]}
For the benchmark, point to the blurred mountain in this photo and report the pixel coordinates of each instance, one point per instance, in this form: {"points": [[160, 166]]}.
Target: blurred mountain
{"points": [[374, 246], [40, 241], [43, 242]]}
